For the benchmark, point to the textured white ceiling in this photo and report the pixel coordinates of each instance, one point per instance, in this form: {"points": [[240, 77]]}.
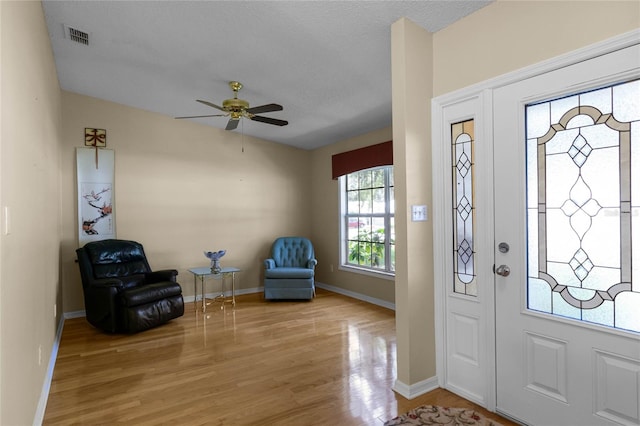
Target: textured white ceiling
{"points": [[327, 62]]}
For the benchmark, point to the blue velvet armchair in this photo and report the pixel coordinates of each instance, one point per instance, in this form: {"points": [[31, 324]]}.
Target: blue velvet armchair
{"points": [[289, 272]]}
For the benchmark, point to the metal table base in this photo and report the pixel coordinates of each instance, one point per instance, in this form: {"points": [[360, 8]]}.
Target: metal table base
{"points": [[205, 272]]}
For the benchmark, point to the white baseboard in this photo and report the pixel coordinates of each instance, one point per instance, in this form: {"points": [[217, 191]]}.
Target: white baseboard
{"points": [[46, 385], [324, 286], [358, 296], [74, 314], [239, 292], [416, 389]]}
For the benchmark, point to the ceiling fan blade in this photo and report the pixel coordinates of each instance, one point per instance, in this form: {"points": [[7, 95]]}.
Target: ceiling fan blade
{"points": [[201, 116], [264, 108], [211, 105], [269, 120], [232, 124]]}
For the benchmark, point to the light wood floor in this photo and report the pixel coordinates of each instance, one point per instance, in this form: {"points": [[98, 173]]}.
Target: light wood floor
{"points": [[331, 361]]}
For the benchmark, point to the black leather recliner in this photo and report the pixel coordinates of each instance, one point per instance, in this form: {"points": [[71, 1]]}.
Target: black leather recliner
{"points": [[121, 293]]}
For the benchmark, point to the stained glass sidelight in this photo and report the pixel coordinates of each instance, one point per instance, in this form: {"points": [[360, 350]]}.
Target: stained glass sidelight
{"points": [[463, 207], [583, 206]]}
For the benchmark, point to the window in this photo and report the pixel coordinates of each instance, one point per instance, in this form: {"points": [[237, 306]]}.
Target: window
{"points": [[584, 206], [367, 215], [462, 138]]}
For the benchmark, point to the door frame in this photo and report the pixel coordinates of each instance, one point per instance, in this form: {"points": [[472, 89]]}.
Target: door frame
{"points": [[442, 220]]}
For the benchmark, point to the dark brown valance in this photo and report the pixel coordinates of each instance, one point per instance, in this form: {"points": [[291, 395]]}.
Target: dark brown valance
{"points": [[363, 158]]}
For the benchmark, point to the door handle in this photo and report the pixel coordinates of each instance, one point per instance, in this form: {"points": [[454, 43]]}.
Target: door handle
{"points": [[503, 270]]}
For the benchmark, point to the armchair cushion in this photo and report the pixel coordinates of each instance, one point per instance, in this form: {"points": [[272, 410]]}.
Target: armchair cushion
{"points": [[289, 273], [116, 258]]}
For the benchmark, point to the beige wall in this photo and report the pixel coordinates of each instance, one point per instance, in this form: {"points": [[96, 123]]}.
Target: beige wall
{"points": [[182, 188], [29, 187], [411, 69], [326, 221], [509, 35]]}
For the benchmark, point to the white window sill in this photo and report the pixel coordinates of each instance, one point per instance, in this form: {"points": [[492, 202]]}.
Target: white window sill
{"points": [[382, 275]]}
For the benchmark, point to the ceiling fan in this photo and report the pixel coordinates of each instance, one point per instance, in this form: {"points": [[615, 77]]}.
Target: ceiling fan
{"points": [[236, 109]]}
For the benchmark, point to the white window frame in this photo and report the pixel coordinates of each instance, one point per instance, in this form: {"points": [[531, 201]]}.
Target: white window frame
{"points": [[344, 230]]}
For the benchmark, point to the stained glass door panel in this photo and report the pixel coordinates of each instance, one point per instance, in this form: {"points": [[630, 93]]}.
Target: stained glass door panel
{"points": [[583, 201], [462, 138]]}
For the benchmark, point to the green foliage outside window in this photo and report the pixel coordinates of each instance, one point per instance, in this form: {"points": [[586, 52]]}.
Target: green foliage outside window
{"points": [[369, 249]]}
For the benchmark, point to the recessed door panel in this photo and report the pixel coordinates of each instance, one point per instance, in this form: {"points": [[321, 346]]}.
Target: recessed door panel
{"points": [[546, 366], [617, 388]]}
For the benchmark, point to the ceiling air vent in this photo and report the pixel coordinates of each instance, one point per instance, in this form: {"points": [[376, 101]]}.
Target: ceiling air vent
{"points": [[76, 35]]}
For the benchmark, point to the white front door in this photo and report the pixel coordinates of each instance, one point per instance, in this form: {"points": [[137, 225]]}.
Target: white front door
{"points": [[567, 204]]}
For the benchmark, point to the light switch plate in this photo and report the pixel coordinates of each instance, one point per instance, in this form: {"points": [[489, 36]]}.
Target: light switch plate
{"points": [[5, 221], [418, 213]]}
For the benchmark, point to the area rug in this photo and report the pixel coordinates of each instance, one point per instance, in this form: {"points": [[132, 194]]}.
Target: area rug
{"points": [[434, 415]]}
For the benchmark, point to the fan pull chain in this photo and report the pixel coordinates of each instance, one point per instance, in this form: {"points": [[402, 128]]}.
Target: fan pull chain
{"points": [[242, 132]]}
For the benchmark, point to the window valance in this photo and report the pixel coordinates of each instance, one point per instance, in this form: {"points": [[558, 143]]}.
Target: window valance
{"points": [[362, 158]]}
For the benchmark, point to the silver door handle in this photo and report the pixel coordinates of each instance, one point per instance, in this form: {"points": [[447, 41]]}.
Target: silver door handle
{"points": [[503, 270]]}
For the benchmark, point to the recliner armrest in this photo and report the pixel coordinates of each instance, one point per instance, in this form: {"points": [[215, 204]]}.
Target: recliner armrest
{"points": [[269, 264], [106, 282], [311, 264], [159, 276]]}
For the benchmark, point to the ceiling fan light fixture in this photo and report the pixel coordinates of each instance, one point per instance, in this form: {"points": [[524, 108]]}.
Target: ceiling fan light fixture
{"points": [[235, 104], [237, 109]]}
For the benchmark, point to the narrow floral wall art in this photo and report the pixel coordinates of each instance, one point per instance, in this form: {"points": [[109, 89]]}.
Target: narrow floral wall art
{"points": [[96, 213]]}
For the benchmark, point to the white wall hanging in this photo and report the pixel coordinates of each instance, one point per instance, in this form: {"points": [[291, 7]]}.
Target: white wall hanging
{"points": [[95, 177]]}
